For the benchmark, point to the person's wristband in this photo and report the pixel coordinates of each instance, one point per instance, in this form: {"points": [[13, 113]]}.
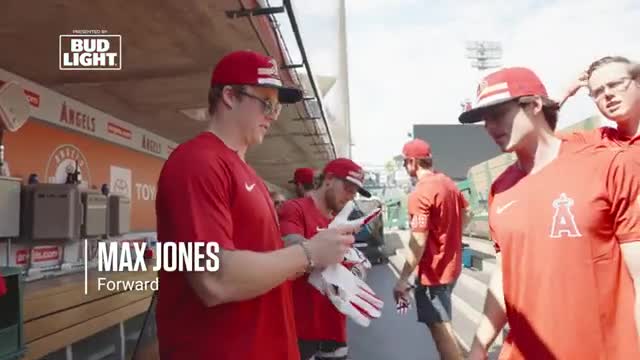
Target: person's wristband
{"points": [[307, 253]]}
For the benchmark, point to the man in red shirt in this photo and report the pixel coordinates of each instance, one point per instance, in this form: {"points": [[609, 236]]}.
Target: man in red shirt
{"points": [[437, 213], [566, 223], [614, 85], [303, 180], [322, 329], [208, 193]]}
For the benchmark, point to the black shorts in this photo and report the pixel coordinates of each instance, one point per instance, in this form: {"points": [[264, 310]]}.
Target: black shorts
{"points": [[433, 303], [322, 349]]}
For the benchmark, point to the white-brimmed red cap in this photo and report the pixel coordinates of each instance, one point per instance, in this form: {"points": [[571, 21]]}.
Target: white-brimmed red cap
{"points": [[348, 170], [246, 67], [502, 86]]}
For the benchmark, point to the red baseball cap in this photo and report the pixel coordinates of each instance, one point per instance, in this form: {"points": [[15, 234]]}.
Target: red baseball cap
{"points": [[416, 148], [500, 87], [303, 176], [348, 170], [246, 67]]}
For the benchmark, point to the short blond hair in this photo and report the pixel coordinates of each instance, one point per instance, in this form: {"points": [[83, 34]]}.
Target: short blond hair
{"points": [[634, 68]]}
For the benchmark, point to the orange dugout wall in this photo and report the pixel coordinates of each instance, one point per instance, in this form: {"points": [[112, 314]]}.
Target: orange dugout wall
{"points": [[109, 151], [46, 150]]}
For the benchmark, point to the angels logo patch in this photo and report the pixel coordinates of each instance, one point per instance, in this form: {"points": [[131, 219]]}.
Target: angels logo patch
{"points": [[564, 223], [63, 160]]}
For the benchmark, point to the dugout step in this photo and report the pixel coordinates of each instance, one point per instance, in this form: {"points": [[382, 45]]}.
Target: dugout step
{"points": [[471, 290]]}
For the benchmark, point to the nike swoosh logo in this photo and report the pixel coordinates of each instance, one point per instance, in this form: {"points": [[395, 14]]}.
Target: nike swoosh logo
{"points": [[318, 228], [504, 207], [249, 187]]}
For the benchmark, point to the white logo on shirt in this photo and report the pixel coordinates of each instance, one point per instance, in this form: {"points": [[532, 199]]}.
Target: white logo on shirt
{"points": [[249, 187], [504, 207], [564, 222], [318, 228]]}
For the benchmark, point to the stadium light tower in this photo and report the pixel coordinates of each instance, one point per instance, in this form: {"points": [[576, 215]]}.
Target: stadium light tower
{"points": [[485, 54]]}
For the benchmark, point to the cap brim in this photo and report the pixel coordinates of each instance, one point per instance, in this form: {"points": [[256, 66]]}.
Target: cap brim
{"points": [[364, 192], [286, 95], [361, 190], [475, 115]]}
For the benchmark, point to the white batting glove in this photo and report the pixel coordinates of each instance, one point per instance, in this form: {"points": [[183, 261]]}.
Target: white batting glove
{"points": [[354, 259], [357, 263], [343, 215], [350, 295]]}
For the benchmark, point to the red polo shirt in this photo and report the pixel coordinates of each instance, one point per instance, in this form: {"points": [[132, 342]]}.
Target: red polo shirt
{"points": [[604, 135], [436, 207], [207, 193], [567, 290], [316, 317]]}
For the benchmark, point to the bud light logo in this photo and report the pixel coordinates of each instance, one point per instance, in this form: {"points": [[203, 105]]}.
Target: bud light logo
{"points": [[90, 52]]}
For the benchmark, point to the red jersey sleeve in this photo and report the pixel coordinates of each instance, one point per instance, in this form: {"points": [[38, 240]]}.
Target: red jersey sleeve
{"points": [[291, 218], [463, 201], [594, 136], [492, 233], [194, 202], [420, 205], [623, 185]]}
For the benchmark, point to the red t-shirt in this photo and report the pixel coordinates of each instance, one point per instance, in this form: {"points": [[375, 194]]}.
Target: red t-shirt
{"points": [[604, 135], [316, 317], [436, 206], [207, 193], [567, 289]]}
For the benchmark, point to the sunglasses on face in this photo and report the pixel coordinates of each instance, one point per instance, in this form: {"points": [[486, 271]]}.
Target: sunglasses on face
{"points": [[350, 187], [617, 86], [269, 109]]}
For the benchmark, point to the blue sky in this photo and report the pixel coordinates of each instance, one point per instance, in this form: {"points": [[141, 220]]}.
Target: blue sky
{"points": [[407, 60]]}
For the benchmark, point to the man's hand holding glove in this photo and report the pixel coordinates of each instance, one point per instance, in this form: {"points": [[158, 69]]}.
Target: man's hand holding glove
{"points": [[346, 289], [402, 297], [343, 216], [350, 295], [357, 263], [354, 259]]}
